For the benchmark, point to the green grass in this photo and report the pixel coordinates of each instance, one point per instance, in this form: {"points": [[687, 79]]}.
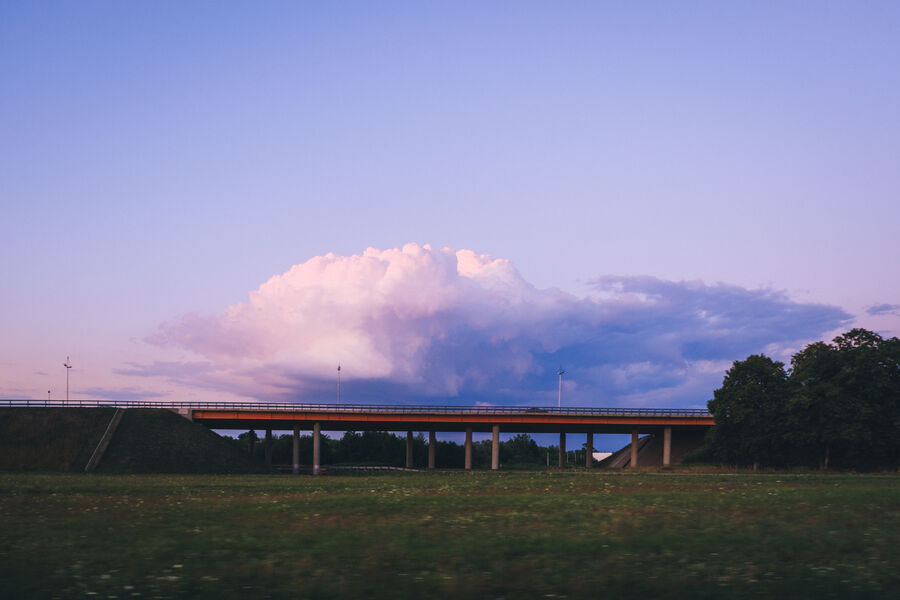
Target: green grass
{"points": [[451, 535]]}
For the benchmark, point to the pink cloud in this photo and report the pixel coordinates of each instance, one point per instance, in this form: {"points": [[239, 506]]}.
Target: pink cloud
{"points": [[379, 313], [417, 322]]}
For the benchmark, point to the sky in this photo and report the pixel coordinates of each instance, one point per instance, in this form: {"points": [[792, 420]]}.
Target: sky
{"points": [[224, 201]]}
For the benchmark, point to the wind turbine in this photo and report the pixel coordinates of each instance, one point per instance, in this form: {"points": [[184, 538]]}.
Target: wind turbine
{"points": [[559, 397]]}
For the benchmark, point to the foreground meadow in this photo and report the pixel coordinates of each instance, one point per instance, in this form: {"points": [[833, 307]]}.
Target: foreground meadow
{"points": [[450, 535]]}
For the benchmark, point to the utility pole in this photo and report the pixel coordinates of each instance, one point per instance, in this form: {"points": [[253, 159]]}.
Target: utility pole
{"points": [[559, 397], [68, 367]]}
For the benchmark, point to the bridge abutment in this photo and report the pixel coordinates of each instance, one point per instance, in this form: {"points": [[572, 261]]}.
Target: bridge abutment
{"points": [[667, 446], [634, 448]]}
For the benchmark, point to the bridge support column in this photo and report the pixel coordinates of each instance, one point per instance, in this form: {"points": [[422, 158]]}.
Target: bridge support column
{"points": [[561, 461], [589, 451], [468, 448], [667, 446], [296, 468], [268, 447], [316, 448], [409, 449], [431, 444], [495, 448], [634, 448]]}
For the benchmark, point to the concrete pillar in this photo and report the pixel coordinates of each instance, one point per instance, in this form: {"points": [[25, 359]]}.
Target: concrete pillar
{"points": [[268, 447], [667, 446], [495, 448], [409, 449], [316, 448], [296, 469], [468, 448], [589, 454], [431, 444], [562, 450], [634, 445]]}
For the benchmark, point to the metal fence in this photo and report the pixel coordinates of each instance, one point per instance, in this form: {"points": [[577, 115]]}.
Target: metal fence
{"points": [[399, 409]]}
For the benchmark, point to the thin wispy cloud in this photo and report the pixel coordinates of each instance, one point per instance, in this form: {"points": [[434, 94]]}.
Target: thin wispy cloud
{"points": [[121, 393], [420, 324], [883, 309]]}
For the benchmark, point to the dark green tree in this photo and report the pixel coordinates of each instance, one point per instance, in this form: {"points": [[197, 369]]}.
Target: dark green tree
{"points": [[750, 411], [847, 405], [839, 407], [869, 385], [250, 438], [819, 412], [521, 449]]}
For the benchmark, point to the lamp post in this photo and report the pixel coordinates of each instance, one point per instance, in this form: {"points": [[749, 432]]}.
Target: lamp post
{"points": [[339, 384], [559, 396], [68, 367]]}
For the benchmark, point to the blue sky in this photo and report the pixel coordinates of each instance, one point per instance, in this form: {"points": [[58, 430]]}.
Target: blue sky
{"points": [[675, 186]]}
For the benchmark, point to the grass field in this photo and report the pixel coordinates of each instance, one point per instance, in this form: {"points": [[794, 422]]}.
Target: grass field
{"points": [[451, 535]]}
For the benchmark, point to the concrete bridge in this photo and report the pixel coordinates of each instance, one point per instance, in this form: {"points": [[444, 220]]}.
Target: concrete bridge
{"points": [[433, 419]]}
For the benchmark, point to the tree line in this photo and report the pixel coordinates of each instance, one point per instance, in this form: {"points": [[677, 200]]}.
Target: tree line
{"points": [[837, 406], [388, 449]]}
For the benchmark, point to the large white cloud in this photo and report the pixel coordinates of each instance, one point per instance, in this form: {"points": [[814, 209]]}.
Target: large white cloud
{"points": [[424, 324]]}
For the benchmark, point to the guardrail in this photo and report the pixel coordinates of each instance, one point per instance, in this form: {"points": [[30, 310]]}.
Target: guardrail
{"points": [[361, 408]]}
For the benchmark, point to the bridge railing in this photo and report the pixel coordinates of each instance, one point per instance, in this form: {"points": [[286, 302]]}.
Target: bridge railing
{"points": [[349, 409]]}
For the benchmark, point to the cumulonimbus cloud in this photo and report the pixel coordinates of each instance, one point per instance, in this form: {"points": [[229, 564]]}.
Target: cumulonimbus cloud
{"points": [[417, 323]]}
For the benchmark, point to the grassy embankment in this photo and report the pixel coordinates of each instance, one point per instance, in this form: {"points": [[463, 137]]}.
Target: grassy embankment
{"points": [[458, 535], [148, 440]]}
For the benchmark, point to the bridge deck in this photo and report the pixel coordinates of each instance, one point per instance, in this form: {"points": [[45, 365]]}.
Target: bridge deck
{"points": [[519, 422]]}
